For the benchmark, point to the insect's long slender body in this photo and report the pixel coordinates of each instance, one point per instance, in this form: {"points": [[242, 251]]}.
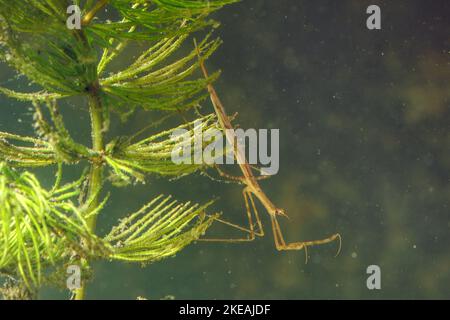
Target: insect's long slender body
{"points": [[248, 178], [252, 185]]}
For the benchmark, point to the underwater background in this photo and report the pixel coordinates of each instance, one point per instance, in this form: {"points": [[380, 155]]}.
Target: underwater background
{"points": [[364, 119]]}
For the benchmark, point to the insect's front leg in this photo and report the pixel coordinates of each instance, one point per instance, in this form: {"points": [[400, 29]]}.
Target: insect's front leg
{"points": [[223, 174]]}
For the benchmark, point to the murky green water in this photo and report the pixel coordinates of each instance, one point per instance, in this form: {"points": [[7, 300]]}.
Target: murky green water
{"points": [[364, 146]]}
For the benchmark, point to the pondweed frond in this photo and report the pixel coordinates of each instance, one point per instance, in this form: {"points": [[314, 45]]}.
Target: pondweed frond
{"points": [[147, 84], [42, 230], [65, 63], [130, 159], [39, 228], [37, 43], [22, 151], [158, 230]]}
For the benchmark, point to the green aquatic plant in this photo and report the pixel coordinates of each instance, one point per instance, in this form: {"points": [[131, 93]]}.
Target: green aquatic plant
{"points": [[45, 230]]}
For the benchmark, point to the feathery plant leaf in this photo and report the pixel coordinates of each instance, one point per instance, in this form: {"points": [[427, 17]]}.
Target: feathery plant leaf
{"points": [[37, 43], [154, 154], [166, 87], [35, 96], [65, 63], [155, 20], [39, 228], [158, 230], [21, 154]]}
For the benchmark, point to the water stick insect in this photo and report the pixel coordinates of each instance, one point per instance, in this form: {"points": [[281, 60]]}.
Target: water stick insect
{"points": [[253, 189]]}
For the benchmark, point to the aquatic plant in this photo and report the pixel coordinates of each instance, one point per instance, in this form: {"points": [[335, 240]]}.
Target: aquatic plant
{"points": [[45, 230]]}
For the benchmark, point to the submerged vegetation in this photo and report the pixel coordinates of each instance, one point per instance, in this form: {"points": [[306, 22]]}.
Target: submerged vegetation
{"points": [[45, 230]]}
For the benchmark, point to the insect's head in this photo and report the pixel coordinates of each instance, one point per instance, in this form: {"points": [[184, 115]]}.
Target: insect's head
{"points": [[280, 212]]}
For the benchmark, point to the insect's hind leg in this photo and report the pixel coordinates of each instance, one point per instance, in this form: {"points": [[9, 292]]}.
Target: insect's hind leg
{"points": [[250, 230], [249, 196], [281, 245]]}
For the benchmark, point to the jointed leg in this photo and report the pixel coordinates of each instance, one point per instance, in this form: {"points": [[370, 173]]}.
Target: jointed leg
{"points": [[225, 175], [215, 179], [261, 176], [248, 195], [239, 179], [280, 244], [251, 230]]}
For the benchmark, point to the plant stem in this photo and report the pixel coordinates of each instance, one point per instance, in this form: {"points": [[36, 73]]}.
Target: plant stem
{"points": [[95, 177], [91, 14]]}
